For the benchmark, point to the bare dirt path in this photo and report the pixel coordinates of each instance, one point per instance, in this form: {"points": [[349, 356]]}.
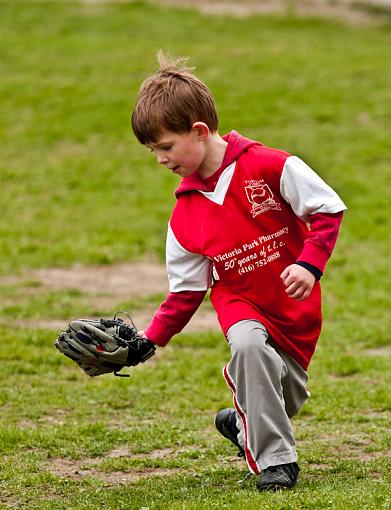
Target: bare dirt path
{"points": [[352, 11], [104, 287]]}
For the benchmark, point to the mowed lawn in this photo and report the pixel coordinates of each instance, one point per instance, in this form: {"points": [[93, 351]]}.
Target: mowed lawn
{"points": [[76, 188]]}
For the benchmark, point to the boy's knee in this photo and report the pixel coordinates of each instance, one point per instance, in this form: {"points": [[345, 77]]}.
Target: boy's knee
{"points": [[247, 338], [246, 346]]}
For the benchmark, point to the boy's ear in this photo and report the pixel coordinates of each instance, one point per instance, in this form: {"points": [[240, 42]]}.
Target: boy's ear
{"points": [[201, 129]]}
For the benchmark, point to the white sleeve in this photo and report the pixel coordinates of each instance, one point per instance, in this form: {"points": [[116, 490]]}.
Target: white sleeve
{"points": [[186, 270], [306, 192]]}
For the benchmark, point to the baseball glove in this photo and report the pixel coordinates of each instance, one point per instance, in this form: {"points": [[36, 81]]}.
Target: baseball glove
{"points": [[104, 346]]}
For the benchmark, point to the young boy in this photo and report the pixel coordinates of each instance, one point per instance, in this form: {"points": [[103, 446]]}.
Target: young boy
{"points": [[257, 226]]}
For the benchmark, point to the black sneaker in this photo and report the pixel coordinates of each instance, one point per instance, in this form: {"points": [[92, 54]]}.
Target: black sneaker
{"points": [[225, 422], [275, 478]]}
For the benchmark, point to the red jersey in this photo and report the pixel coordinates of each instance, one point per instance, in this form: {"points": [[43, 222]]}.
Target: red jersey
{"points": [[237, 231]]}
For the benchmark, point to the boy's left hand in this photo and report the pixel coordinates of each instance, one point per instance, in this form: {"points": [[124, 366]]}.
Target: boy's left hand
{"points": [[298, 281]]}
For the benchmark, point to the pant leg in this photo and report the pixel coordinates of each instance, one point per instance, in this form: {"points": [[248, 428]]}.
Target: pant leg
{"points": [[294, 384], [257, 375]]}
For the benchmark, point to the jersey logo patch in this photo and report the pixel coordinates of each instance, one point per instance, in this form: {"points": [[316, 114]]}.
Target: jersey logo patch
{"points": [[260, 197]]}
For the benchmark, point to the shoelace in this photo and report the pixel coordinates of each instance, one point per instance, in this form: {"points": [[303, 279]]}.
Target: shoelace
{"points": [[247, 476]]}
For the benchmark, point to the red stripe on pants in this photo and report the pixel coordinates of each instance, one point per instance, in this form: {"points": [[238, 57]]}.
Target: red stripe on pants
{"points": [[249, 458]]}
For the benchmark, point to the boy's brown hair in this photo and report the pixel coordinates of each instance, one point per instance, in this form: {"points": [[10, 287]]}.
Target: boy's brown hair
{"points": [[172, 99]]}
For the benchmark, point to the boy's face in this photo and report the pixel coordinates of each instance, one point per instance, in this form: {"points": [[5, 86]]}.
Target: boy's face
{"points": [[182, 153]]}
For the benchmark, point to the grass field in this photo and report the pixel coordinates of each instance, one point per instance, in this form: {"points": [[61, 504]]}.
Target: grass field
{"points": [[77, 189]]}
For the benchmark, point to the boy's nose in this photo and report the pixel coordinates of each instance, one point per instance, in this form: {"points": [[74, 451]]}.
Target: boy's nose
{"points": [[162, 159]]}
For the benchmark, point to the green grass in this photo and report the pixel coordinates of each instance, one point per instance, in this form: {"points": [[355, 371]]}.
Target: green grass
{"points": [[77, 188]]}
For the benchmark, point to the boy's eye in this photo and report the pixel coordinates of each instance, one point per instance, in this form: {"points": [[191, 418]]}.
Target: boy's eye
{"points": [[165, 148]]}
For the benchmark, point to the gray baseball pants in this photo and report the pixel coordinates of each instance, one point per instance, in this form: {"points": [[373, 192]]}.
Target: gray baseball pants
{"points": [[269, 387]]}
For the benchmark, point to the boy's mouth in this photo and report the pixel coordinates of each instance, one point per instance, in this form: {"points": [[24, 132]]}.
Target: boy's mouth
{"points": [[175, 168]]}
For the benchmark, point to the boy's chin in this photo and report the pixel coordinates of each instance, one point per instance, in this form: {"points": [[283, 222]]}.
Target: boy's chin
{"points": [[183, 172]]}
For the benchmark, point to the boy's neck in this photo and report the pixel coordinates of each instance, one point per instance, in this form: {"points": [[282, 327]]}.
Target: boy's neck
{"points": [[215, 150]]}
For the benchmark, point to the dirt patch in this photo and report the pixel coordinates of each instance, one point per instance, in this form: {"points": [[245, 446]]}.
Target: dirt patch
{"points": [[204, 320], [379, 351], [83, 468], [73, 469], [319, 465], [104, 287], [155, 454], [27, 424], [9, 500], [57, 418], [367, 457], [360, 12], [120, 280], [357, 451], [353, 11], [354, 447]]}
